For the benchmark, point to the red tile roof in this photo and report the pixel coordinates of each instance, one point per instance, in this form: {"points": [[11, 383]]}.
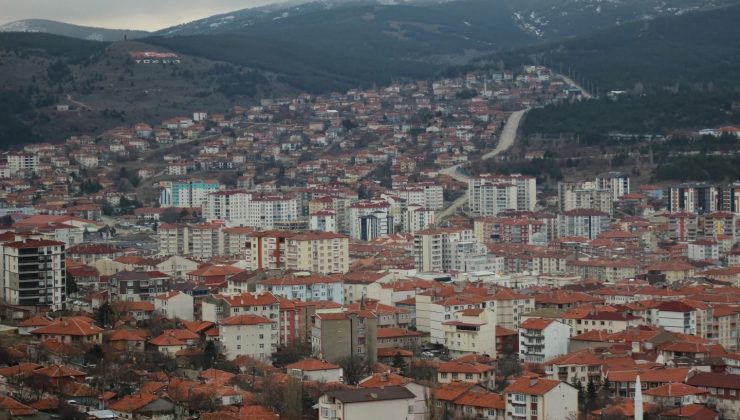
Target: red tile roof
{"points": [[674, 389], [462, 367], [166, 340], [536, 323], [482, 399], [15, 408], [392, 332], [312, 365], [132, 403], [532, 386], [72, 326], [245, 320], [692, 411], [715, 380], [58, 371]]}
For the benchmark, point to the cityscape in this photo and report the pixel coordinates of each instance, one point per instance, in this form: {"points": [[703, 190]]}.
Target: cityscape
{"points": [[501, 239]]}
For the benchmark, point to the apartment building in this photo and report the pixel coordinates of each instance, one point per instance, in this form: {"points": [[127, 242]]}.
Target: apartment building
{"points": [[207, 240], [335, 336], [541, 339], [415, 218], [134, 286], [694, 198], [584, 195], [323, 221], [588, 223], [191, 193], [216, 307], [491, 194], [235, 240], [305, 288], [488, 198], [471, 331], [33, 273], [519, 230], [248, 335], [368, 220], [22, 162], [429, 195], [174, 239], [434, 248], [510, 306], [616, 182], [530, 398], [320, 252], [683, 227], [260, 211]]}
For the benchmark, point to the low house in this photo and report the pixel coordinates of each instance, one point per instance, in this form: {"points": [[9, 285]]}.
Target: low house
{"points": [[71, 330], [465, 371], [141, 406], [393, 402], [315, 370], [675, 394]]}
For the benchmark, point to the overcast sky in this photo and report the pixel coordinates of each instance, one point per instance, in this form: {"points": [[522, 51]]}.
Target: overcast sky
{"points": [[121, 14]]}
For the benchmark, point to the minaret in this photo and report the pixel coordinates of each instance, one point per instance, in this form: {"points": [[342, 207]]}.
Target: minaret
{"points": [[638, 399]]}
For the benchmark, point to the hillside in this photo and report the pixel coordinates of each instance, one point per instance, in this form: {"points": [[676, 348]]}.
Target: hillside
{"points": [[424, 27], [106, 87], [70, 30], [680, 73], [689, 50]]}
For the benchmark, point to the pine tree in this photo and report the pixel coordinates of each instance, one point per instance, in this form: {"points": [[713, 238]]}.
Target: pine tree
{"points": [[398, 361], [606, 391], [591, 394]]}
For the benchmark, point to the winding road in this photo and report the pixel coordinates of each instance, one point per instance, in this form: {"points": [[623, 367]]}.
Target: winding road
{"points": [[508, 136]]}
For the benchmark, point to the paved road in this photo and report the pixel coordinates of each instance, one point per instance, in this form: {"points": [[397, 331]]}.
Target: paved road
{"points": [[508, 136]]}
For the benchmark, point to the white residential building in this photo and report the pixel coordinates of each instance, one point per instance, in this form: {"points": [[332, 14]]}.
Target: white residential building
{"points": [[437, 250], [541, 339], [425, 194], [530, 398], [33, 273], [247, 335], [471, 331], [305, 288], [323, 221], [175, 305], [616, 182], [370, 219], [490, 194], [584, 195], [587, 223], [415, 218]]}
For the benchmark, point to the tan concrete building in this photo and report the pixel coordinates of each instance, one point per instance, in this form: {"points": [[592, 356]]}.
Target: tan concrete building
{"points": [[318, 252]]}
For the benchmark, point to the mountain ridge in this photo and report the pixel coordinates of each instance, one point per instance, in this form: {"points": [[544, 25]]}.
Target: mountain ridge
{"points": [[71, 30]]}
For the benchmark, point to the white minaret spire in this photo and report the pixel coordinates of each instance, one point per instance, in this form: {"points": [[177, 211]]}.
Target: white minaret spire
{"points": [[638, 399]]}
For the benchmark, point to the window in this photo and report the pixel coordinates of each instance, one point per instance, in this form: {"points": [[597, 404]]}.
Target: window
{"points": [[520, 398], [239, 347]]}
